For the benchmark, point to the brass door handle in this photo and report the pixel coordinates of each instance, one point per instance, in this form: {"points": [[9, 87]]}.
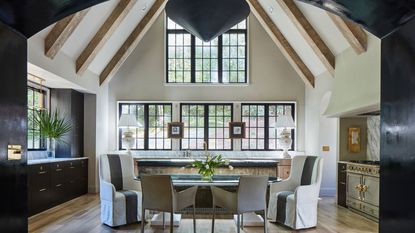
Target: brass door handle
{"points": [[365, 188], [43, 172]]}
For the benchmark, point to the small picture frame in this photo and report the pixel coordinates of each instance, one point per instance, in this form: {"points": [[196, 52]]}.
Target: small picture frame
{"points": [[175, 130], [354, 140], [236, 129]]}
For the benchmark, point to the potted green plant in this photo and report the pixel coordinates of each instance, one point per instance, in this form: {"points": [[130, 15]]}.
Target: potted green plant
{"points": [[209, 164], [52, 127]]}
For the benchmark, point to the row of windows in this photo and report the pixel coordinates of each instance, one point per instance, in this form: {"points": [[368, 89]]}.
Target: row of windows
{"points": [[206, 123], [222, 60]]}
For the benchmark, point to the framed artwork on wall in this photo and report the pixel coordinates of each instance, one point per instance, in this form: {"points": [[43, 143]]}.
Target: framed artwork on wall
{"points": [[236, 129], [175, 129], [354, 140]]}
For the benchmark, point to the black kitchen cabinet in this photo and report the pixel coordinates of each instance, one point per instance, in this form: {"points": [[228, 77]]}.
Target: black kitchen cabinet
{"points": [[51, 184], [70, 104], [341, 184]]}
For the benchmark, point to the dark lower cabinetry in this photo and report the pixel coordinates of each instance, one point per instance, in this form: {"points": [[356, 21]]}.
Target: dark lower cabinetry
{"points": [[341, 184], [51, 184]]}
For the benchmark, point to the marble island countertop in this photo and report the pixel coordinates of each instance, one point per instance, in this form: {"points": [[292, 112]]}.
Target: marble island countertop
{"points": [[181, 162], [52, 160]]}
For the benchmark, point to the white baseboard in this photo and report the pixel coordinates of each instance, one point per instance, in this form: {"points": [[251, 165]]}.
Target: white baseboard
{"points": [[328, 192]]}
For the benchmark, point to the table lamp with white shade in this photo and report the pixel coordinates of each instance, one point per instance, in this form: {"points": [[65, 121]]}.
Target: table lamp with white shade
{"points": [[285, 121], [128, 121]]}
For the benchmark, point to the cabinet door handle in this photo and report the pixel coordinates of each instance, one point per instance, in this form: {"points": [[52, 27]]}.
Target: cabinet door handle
{"points": [[343, 183], [42, 172], [59, 169], [58, 185], [42, 190]]}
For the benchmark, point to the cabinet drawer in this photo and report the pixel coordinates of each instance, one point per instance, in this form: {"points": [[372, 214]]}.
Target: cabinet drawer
{"points": [[370, 210], [284, 172], [57, 175], [39, 177]]}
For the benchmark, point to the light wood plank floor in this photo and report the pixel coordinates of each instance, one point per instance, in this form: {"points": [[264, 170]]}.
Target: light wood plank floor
{"points": [[82, 215]]}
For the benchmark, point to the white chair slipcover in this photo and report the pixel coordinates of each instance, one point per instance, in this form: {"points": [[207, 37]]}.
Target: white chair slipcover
{"points": [[293, 202], [120, 193]]}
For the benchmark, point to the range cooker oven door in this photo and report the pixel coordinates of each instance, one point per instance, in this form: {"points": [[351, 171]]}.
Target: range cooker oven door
{"points": [[371, 195], [353, 180]]}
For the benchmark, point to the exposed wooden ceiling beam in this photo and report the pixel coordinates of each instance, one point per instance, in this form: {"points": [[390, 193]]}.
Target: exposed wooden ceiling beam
{"points": [[310, 34], [353, 33], [103, 34], [282, 43], [60, 33], [133, 39]]}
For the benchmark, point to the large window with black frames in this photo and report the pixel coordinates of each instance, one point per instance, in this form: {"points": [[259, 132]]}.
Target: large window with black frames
{"points": [[152, 131], [206, 123], [260, 120], [36, 101], [190, 60]]}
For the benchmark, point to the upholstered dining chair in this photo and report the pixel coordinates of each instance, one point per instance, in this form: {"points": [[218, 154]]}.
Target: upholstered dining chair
{"points": [[159, 195], [293, 202], [250, 197], [120, 193]]}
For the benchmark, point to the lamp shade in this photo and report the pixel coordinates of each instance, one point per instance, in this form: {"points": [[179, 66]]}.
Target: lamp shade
{"points": [[128, 120], [285, 121]]}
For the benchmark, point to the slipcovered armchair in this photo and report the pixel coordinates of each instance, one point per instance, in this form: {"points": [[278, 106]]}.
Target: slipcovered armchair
{"points": [[293, 202], [120, 193]]}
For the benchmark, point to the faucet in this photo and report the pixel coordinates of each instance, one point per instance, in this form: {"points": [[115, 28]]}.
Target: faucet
{"points": [[186, 154]]}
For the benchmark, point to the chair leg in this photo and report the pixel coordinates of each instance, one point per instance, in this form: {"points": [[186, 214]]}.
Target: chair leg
{"points": [[265, 220], [143, 219], [242, 221], [164, 220], [194, 218], [171, 221], [213, 219], [238, 223]]}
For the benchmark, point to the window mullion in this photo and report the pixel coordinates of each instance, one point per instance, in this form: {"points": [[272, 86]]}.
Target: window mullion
{"points": [[220, 50], [207, 126], [146, 126], [192, 58], [266, 129]]}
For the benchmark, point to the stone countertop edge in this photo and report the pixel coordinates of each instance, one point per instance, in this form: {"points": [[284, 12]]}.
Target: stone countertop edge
{"points": [[182, 163], [54, 160]]}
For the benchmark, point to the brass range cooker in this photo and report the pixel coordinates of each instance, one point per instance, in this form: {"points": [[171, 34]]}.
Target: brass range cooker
{"points": [[363, 188]]}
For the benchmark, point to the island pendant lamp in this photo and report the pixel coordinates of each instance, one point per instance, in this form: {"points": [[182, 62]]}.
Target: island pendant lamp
{"points": [[207, 19], [128, 122], [285, 121]]}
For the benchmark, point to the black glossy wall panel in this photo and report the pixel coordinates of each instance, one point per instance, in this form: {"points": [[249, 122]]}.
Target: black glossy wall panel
{"points": [[397, 193], [13, 129]]}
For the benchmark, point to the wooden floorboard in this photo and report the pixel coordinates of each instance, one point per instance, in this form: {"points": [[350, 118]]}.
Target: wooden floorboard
{"points": [[82, 215]]}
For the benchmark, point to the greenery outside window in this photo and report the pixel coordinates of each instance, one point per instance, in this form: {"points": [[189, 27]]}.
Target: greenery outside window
{"points": [[260, 120], [36, 101], [190, 60], [206, 123], [153, 118]]}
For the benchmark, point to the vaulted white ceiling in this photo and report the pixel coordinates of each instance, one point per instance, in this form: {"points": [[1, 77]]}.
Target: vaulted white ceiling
{"points": [[97, 15]]}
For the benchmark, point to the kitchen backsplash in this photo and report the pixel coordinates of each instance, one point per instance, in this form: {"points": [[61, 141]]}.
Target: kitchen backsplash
{"points": [[373, 138]]}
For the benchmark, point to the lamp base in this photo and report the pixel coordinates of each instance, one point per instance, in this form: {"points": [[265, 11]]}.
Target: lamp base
{"points": [[128, 139], [285, 155]]}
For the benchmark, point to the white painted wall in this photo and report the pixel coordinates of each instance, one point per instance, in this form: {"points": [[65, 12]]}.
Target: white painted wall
{"points": [[322, 131], [142, 78]]}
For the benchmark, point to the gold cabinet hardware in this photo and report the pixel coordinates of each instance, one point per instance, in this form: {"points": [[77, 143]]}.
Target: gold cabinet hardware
{"points": [[365, 188], [42, 190], [43, 172]]}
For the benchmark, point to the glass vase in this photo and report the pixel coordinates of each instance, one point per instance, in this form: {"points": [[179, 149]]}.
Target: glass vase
{"points": [[51, 148], [207, 175]]}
